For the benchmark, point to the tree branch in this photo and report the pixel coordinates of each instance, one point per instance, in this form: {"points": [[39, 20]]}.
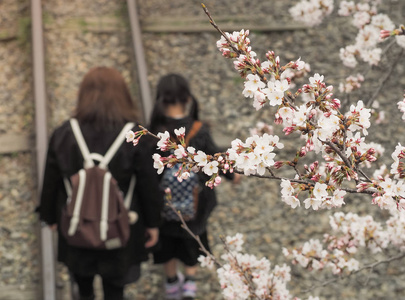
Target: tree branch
{"points": [[352, 191], [366, 267], [196, 237], [385, 79]]}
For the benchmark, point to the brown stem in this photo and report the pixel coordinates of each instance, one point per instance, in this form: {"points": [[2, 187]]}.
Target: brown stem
{"points": [[370, 266], [385, 79], [338, 152], [352, 191], [196, 237], [241, 271], [236, 50], [148, 132], [220, 30]]}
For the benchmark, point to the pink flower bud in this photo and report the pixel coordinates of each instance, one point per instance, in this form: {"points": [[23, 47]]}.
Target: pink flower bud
{"points": [[336, 103], [384, 34], [278, 120], [217, 181], [303, 152], [288, 130]]}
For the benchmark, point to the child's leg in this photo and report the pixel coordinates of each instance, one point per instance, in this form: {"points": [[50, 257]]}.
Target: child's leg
{"points": [[174, 280], [190, 271], [170, 268], [190, 253], [189, 288]]}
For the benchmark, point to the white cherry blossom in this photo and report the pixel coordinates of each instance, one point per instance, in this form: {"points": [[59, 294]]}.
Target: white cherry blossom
{"points": [[201, 158]]}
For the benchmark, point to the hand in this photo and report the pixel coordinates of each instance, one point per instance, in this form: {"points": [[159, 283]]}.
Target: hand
{"points": [[153, 237], [236, 178]]}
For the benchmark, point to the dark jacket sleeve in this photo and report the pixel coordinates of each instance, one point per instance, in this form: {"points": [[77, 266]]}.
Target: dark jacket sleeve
{"points": [[52, 182], [149, 195]]}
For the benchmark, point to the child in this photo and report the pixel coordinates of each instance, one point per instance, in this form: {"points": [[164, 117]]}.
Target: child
{"points": [[176, 107]]}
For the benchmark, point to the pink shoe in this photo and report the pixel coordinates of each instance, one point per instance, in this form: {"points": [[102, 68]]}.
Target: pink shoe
{"points": [[173, 290], [189, 290]]}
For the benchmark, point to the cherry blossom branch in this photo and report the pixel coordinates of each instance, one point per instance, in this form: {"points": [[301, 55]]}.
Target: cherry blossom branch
{"points": [[346, 161], [370, 101], [185, 227], [338, 152], [248, 62], [366, 267], [247, 278], [329, 133], [220, 30], [245, 270], [352, 191], [148, 132], [386, 77]]}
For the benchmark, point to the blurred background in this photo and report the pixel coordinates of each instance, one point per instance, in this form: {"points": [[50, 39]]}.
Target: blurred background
{"points": [[175, 36]]}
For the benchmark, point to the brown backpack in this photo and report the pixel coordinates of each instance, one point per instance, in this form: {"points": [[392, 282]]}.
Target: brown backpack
{"points": [[95, 215]]}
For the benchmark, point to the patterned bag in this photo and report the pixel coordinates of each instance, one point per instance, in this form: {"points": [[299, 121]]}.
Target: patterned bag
{"points": [[184, 193]]}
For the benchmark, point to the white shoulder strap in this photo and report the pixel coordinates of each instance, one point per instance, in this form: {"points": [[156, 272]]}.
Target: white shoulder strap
{"points": [[128, 196], [88, 162], [88, 157], [115, 146]]}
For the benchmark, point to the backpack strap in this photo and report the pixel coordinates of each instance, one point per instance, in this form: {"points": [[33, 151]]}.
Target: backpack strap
{"points": [[87, 156], [74, 222], [115, 146], [88, 162], [193, 131], [128, 196]]}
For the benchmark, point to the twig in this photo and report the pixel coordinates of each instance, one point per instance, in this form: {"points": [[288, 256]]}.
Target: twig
{"points": [[385, 50], [338, 152], [364, 175], [366, 267], [236, 262], [385, 79], [297, 171], [148, 132], [352, 191], [194, 236], [212, 257], [236, 50], [219, 29]]}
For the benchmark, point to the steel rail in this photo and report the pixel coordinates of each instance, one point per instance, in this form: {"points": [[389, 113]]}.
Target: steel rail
{"points": [[48, 265], [142, 73]]}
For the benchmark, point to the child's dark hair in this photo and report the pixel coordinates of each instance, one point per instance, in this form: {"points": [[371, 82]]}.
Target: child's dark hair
{"points": [[171, 89]]}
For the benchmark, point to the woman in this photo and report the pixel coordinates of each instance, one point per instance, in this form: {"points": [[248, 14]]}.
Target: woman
{"points": [[104, 106]]}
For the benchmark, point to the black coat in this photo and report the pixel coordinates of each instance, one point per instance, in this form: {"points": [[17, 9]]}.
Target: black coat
{"points": [[65, 159], [207, 199]]}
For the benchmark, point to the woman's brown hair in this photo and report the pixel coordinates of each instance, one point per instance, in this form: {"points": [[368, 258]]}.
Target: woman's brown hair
{"points": [[104, 99]]}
